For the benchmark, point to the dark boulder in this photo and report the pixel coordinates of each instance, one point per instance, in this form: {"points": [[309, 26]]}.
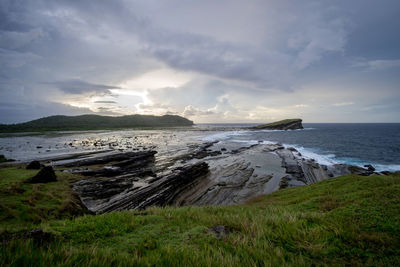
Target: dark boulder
{"points": [[45, 175], [34, 165], [360, 171], [369, 167]]}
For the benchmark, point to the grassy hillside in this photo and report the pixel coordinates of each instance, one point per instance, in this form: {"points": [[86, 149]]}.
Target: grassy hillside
{"points": [[25, 206], [350, 220], [95, 122]]}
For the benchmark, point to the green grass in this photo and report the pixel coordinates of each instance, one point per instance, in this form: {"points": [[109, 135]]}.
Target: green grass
{"points": [[25, 206], [350, 220]]}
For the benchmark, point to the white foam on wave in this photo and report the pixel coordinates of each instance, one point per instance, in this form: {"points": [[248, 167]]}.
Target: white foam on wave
{"points": [[226, 135], [253, 142], [328, 159], [390, 167], [378, 167], [222, 136], [331, 159], [275, 131], [307, 153]]}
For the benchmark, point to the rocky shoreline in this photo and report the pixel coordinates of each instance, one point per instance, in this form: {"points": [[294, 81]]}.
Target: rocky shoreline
{"points": [[209, 173]]}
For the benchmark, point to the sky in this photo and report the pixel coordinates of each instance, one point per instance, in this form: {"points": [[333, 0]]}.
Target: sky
{"points": [[210, 61]]}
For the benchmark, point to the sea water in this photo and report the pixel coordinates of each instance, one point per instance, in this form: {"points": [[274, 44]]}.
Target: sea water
{"points": [[358, 144], [330, 143]]}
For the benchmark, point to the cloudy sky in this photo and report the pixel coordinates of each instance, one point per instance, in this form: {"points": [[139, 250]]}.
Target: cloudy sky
{"points": [[210, 61]]}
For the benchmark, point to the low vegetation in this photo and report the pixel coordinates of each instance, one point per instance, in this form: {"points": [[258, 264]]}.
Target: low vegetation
{"points": [[351, 220], [24, 205], [95, 122], [4, 159]]}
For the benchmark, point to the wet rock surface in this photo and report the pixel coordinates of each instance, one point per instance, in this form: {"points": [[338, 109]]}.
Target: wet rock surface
{"points": [[123, 159], [200, 152], [169, 172], [105, 195]]}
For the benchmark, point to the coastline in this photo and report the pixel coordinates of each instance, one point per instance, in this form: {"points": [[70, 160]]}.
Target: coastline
{"points": [[159, 192], [55, 144], [238, 167]]}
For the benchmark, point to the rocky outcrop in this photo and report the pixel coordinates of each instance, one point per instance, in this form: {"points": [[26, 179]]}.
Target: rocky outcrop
{"points": [[126, 158], [260, 169], [120, 165], [105, 195], [34, 165], [45, 175], [289, 124], [200, 152], [137, 180], [236, 177]]}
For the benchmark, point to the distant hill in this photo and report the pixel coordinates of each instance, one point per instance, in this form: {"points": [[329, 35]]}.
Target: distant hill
{"points": [[95, 122]]}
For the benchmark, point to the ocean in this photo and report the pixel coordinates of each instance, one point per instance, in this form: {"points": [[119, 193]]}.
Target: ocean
{"points": [[358, 144], [377, 144]]}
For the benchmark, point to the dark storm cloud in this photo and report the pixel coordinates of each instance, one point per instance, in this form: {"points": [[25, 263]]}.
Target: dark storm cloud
{"points": [[251, 48], [80, 87]]}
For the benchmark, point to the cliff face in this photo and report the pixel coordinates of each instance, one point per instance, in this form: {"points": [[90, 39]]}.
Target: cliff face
{"points": [[289, 124]]}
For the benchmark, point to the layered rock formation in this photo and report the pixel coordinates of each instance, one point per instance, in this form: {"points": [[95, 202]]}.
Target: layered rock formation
{"points": [[289, 124], [105, 194], [128, 181], [206, 174]]}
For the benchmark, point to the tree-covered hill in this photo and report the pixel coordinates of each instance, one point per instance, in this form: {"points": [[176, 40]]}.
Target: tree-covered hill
{"points": [[95, 122]]}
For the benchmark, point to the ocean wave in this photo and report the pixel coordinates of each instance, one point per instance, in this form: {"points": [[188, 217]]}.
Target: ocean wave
{"points": [[275, 131], [325, 159], [331, 159], [223, 136], [307, 153], [253, 142], [227, 134], [379, 167]]}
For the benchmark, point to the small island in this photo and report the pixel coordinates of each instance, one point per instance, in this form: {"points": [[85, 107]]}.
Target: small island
{"points": [[95, 122], [288, 124]]}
